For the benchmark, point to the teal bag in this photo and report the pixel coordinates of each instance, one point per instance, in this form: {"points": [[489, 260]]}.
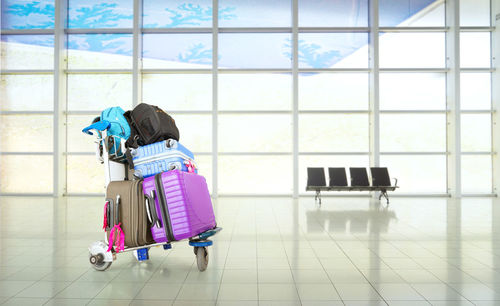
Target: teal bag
{"points": [[118, 124], [118, 129]]}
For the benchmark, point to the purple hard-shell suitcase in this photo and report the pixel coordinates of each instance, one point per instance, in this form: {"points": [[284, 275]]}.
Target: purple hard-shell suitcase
{"points": [[182, 206]]}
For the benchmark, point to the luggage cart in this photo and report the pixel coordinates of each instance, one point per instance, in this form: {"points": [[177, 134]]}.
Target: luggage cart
{"points": [[113, 158]]}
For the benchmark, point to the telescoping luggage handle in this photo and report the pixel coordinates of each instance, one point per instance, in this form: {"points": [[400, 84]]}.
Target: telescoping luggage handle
{"points": [[151, 209]]}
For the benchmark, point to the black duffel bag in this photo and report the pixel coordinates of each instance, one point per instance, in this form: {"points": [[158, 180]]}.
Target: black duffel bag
{"points": [[149, 124]]}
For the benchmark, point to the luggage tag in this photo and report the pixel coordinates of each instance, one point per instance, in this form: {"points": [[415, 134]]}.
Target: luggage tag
{"points": [[190, 166]]}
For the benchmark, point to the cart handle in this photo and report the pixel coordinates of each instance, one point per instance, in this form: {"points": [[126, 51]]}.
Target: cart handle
{"points": [[99, 126]]}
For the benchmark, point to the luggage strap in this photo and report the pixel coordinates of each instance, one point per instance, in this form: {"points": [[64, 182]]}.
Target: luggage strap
{"points": [[117, 238], [130, 160]]}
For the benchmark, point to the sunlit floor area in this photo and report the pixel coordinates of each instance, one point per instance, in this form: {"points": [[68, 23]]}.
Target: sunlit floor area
{"points": [[272, 251]]}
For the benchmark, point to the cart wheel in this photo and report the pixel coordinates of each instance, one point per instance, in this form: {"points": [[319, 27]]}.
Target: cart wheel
{"points": [[97, 262], [195, 250], [202, 258]]}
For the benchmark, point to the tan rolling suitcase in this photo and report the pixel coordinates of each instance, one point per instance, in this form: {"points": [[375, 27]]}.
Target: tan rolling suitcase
{"points": [[125, 214]]}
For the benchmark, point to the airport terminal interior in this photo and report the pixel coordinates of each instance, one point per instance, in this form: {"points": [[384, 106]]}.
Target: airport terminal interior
{"points": [[273, 99]]}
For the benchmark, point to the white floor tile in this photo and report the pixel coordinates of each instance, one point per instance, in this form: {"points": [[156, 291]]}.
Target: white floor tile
{"points": [[278, 292], [238, 292], [357, 292], [349, 248]]}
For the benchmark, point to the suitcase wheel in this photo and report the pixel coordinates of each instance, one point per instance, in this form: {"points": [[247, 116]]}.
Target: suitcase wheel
{"points": [[201, 258], [98, 257]]}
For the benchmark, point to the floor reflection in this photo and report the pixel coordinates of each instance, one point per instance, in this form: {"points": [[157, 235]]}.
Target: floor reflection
{"points": [[290, 251], [375, 219]]}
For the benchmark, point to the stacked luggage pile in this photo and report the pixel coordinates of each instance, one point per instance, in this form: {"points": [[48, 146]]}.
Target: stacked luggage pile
{"points": [[154, 195]]}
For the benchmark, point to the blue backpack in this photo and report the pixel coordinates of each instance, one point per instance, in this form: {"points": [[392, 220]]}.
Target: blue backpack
{"points": [[118, 124], [118, 129]]}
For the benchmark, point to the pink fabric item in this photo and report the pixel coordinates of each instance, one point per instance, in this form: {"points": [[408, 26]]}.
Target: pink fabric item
{"points": [[190, 166], [117, 238], [105, 222]]}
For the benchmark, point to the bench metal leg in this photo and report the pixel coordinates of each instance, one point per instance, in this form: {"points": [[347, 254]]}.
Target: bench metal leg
{"points": [[318, 196], [386, 196]]}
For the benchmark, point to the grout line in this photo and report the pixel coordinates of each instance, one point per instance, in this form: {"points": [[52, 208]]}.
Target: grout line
{"points": [[327, 275], [349, 258], [287, 257], [256, 253], [225, 260]]}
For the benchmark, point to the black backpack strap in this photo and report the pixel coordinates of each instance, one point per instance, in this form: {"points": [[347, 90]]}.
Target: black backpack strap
{"points": [[130, 160]]}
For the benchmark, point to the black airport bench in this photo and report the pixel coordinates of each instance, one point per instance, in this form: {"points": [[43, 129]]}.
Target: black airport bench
{"points": [[359, 181]]}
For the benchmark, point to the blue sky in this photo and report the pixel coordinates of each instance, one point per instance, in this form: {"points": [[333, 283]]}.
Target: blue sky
{"points": [[316, 51]]}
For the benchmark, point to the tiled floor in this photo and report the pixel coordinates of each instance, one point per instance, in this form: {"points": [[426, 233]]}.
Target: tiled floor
{"points": [[272, 251]]}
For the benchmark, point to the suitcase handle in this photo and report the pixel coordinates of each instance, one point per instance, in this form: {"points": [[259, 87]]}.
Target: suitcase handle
{"points": [[107, 214], [151, 210], [117, 213], [171, 143]]}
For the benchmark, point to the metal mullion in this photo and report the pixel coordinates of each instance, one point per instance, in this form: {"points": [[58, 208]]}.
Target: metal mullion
{"points": [[421, 195], [18, 194], [190, 112], [93, 153], [374, 102], [26, 112], [396, 111], [96, 112], [83, 112], [477, 70], [477, 29], [343, 194], [255, 153], [176, 71], [252, 112], [478, 111], [479, 195], [28, 153], [413, 153], [90, 194], [478, 153], [215, 97], [137, 54], [27, 32], [251, 195], [80, 153], [341, 111], [100, 31], [416, 70], [333, 70], [363, 194], [24, 72], [60, 99], [333, 29], [453, 119], [332, 153], [176, 30], [254, 70], [99, 71], [495, 94], [255, 30], [412, 29], [295, 96]]}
